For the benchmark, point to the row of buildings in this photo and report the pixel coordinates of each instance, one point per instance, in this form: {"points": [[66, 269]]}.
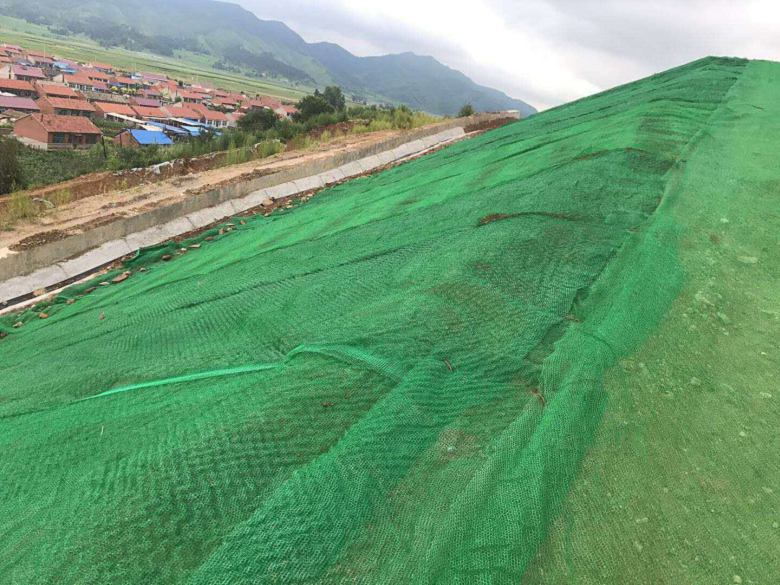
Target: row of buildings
{"points": [[53, 103]]}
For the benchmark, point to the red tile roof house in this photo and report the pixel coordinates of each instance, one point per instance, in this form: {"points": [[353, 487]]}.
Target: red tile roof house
{"points": [[17, 87], [45, 64], [56, 132], [263, 102], [168, 88], [228, 103], [214, 118], [182, 112], [96, 75], [191, 97], [104, 67], [125, 81], [39, 60], [79, 81], [152, 77], [150, 93], [27, 73], [145, 112], [286, 111], [145, 102], [11, 49], [105, 109], [20, 104], [211, 117], [66, 107], [57, 90]]}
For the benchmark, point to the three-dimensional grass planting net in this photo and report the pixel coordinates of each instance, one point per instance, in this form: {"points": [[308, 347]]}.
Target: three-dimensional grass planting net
{"points": [[547, 354]]}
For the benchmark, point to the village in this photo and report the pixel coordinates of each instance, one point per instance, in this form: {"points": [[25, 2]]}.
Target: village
{"points": [[53, 103]]}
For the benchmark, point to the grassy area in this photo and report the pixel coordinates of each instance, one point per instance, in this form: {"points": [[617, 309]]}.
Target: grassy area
{"points": [[374, 119], [41, 167], [187, 66]]}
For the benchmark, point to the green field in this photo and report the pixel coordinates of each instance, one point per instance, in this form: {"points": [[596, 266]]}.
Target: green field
{"points": [[545, 355], [187, 67]]}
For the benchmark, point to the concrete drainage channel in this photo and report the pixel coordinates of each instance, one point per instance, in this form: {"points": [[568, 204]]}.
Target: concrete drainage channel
{"points": [[65, 261]]}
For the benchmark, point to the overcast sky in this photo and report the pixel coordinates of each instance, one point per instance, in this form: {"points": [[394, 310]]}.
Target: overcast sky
{"points": [[545, 52]]}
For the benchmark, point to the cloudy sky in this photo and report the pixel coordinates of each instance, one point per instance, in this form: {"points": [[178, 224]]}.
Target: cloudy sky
{"points": [[545, 52]]}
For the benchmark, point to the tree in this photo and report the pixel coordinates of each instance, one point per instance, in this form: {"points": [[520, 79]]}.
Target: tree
{"points": [[402, 118], [258, 120], [334, 96], [465, 111], [312, 105], [10, 170]]}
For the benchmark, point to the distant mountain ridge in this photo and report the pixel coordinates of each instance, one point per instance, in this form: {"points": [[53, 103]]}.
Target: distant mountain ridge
{"points": [[237, 39]]}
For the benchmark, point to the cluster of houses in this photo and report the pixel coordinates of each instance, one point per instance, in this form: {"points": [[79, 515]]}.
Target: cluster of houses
{"points": [[52, 103]]}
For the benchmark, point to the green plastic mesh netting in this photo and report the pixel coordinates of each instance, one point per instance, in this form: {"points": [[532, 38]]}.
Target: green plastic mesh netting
{"points": [[547, 354]]}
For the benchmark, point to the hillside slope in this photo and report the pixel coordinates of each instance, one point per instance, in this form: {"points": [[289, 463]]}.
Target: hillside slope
{"points": [[547, 354], [235, 37]]}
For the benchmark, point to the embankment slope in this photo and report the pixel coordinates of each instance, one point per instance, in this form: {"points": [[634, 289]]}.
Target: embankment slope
{"points": [[547, 354]]}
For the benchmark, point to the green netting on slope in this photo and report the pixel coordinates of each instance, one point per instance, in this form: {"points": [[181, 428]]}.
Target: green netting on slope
{"points": [[682, 484], [395, 382]]}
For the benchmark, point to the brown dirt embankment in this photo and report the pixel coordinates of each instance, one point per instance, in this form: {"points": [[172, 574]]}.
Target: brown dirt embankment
{"points": [[94, 197], [100, 198]]}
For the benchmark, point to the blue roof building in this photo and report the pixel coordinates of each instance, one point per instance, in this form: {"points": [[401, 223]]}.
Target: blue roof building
{"points": [[147, 137], [193, 130], [136, 137], [63, 67]]}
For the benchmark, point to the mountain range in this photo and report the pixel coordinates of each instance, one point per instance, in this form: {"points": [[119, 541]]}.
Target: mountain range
{"points": [[238, 40]]}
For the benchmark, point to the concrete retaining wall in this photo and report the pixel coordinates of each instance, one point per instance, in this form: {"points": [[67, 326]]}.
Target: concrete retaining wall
{"points": [[49, 264]]}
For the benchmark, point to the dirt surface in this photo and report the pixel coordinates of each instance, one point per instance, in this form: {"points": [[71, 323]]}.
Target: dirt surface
{"points": [[39, 239], [83, 214]]}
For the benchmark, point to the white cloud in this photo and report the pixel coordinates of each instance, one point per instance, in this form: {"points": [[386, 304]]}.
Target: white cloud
{"points": [[542, 51]]}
